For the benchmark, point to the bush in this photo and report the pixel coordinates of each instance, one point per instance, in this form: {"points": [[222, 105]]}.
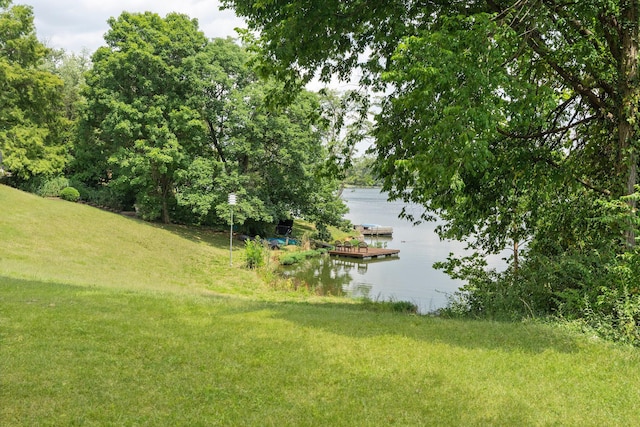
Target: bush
{"points": [[70, 194], [44, 186], [592, 287], [105, 196], [292, 258], [322, 233], [54, 187], [148, 207], [390, 306], [255, 253], [296, 257]]}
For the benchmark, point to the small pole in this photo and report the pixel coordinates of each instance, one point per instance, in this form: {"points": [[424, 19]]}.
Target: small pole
{"points": [[231, 240], [232, 202]]}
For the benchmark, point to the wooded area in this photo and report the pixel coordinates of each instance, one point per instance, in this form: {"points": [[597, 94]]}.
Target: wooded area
{"points": [[514, 121], [165, 121]]}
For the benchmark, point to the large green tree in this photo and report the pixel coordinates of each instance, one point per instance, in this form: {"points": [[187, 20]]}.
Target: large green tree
{"points": [[514, 121], [281, 154], [181, 121], [71, 68], [142, 115], [32, 139], [549, 76], [272, 157]]}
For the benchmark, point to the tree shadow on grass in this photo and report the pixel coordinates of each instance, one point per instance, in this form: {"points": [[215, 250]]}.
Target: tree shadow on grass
{"points": [[179, 355], [211, 236], [353, 320]]}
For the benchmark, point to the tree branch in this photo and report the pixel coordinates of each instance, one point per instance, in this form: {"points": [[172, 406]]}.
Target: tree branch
{"points": [[584, 32], [582, 181], [214, 140], [612, 37], [545, 133], [537, 44]]}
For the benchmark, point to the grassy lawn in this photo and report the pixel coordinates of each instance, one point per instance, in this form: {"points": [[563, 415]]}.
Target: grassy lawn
{"points": [[54, 240], [137, 324]]}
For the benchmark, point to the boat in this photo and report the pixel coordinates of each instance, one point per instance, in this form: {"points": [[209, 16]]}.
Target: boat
{"points": [[279, 242], [374, 230]]}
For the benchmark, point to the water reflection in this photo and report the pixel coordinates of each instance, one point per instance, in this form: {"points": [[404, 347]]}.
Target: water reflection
{"points": [[336, 276], [321, 273]]}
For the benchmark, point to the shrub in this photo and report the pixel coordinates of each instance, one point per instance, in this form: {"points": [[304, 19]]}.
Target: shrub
{"points": [[292, 258], [53, 187], [255, 253], [296, 257], [390, 306], [322, 233], [105, 196], [70, 194], [149, 208]]}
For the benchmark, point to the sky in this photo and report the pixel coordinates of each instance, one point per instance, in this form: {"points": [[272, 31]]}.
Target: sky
{"points": [[76, 24]]}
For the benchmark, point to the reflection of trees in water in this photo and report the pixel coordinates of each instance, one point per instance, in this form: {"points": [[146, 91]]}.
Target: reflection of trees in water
{"points": [[378, 241], [331, 276], [323, 274]]}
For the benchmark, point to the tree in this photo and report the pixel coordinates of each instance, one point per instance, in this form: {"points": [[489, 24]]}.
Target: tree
{"points": [[514, 121], [270, 156], [346, 124], [141, 112], [71, 68], [182, 121], [360, 173], [31, 127]]}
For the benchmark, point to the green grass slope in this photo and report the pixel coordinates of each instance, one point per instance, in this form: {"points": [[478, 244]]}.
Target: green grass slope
{"points": [[54, 240], [106, 320]]}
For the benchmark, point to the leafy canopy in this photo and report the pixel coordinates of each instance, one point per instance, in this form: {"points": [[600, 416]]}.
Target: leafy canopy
{"points": [[176, 122], [485, 101], [31, 128], [141, 111]]}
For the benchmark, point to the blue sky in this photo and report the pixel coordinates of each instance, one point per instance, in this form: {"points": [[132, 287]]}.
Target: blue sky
{"points": [[76, 24]]}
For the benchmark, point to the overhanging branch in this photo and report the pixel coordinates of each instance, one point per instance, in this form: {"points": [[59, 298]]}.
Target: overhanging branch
{"points": [[535, 41], [545, 133]]}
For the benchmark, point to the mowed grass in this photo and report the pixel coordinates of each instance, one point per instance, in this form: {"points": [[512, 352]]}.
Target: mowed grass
{"points": [[54, 240], [79, 349]]}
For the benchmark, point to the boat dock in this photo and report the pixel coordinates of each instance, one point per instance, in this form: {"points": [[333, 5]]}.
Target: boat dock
{"points": [[365, 254], [374, 230]]}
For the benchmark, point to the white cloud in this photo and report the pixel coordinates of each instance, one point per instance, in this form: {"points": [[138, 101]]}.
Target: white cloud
{"points": [[76, 24]]}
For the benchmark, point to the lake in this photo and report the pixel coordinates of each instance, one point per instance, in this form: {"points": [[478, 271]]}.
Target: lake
{"points": [[408, 277]]}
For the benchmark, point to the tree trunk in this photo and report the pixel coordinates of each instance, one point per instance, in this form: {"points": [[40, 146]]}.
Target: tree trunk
{"points": [[165, 190], [165, 211], [628, 117], [516, 261], [216, 143]]}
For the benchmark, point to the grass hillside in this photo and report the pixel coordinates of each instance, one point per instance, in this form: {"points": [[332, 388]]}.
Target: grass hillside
{"points": [[54, 240], [106, 320]]}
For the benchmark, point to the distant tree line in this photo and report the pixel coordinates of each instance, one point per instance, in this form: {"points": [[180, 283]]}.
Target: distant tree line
{"points": [[361, 173]]}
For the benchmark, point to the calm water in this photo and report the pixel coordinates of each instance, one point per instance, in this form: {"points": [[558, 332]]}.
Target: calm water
{"points": [[409, 277]]}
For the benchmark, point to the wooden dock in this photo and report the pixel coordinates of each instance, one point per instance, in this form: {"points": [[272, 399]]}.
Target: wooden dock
{"points": [[365, 254], [374, 230]]}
